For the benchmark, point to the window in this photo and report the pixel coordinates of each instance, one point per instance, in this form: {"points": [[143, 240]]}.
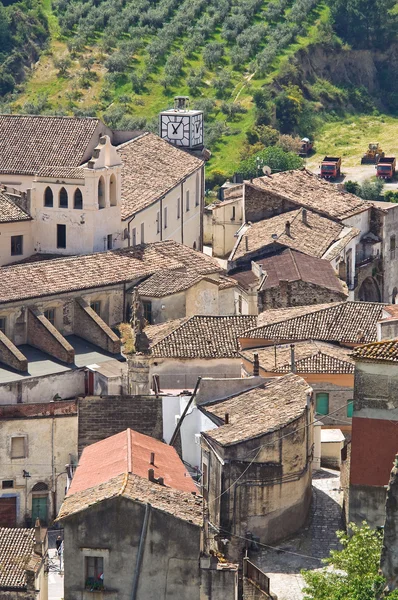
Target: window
{"points": [[392, 246], [63, 198], [7, 484], [3, 323], [142, 233], [165, 217], [109, 241], [16, 245], [148, 311], [350, 407], [50, 315], [96, 306], [101, 193], [240, 303], [178, 208], [233, 214], [61, 236], [134, 237], [322, 404], [94, 572], [48, 197], [112, 191], [18, 449], [158, 222], [187, 200], [78, 199], [197, 190]]}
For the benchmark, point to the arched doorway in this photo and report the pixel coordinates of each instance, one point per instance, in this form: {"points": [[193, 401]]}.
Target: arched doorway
{"points": [[40, 503], [369, 291]]}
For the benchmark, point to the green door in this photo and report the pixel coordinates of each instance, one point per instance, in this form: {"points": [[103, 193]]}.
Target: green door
{"points": [[322, 404], [350, 407], [39, 509]]}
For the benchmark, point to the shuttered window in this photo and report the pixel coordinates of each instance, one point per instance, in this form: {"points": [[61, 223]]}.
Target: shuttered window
{"points": [[322, 404]]}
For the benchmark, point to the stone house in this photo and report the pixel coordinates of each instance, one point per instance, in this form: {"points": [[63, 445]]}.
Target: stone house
{"points": [[257, 464], [222, 220], [23, 573], [374, 442], [38, 440]]}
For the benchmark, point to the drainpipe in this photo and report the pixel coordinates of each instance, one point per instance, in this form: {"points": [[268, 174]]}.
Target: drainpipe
{"points": [[140, 552]]}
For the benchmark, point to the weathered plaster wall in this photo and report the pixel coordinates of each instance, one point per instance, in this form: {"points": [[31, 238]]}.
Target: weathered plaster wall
{"points": [[66, 384]]}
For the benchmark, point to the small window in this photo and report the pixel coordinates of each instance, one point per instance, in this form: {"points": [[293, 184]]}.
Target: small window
{"points": [[178, 208], [240, 304], [158, 222], [48, 197], [3, 324], [142, 233], [194, 246], [112, 191], [18, 449], [392, 246], [165, 217], [197, 190], [61, 236], [96, 306], [78, 199], [350, 407], [50, 315], [187, 200], [109, 241], [134, 237], [94, 573], [7, 484], [16, 245], [233, 214], [63, 198], [322, 404], [101, 193], [148, 311]]}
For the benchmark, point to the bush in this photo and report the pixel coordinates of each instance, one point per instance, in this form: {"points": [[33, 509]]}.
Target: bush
{"points": [[62, 64], [352, 187], [215, 178], [289, 143], [371, 190], [274, 157], [213, 54], [391, 196]]}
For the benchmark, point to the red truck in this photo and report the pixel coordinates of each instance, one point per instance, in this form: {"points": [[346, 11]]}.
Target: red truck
{"points": [[330, 167], [385, 168]]}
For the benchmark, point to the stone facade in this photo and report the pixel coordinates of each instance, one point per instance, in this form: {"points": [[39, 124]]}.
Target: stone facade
{"points": [[389, 555], [297, 293]]}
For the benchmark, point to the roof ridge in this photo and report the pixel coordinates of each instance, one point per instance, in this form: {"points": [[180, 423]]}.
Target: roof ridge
{"points": [[70, 117], [335, 304]]}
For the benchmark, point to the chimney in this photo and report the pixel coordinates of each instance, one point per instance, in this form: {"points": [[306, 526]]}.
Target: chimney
{"points": [[226, 418], [38, 538], [304, 216], [160, 481], [246, 243], [256, 366], [152, 461], [292, 359], [287, 228], [151, 475]]}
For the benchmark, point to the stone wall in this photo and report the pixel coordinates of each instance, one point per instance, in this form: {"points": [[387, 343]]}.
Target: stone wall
{"points": [[44, 336], [389, 555], [261, 204], [298, 293], [11, 356], [100, 418], [90, 327]]}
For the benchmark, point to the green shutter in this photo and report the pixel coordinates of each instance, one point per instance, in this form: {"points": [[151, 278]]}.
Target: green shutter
{"points": [[39, 509], [350, 407], [322, 404]]}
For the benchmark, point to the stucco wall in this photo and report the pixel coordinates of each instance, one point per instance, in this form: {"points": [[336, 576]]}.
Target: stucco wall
{"points": [[67, 384], [7, 230], [183, 374], [390, 260], [225, 224]]}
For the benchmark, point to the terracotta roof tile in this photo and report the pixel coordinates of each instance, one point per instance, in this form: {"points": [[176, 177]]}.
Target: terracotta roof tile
{"points": [[10, 211], [62, 172], [200, 337], [261, 410], [16, 550], [276, 315], [386, 351], [305, 188], [151, 168], [348, 234], [29, 142], [246, 279], [166, 283]]}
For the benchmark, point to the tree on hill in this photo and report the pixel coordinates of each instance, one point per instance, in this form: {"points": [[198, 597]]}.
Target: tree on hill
{"points": [[273, 157]]}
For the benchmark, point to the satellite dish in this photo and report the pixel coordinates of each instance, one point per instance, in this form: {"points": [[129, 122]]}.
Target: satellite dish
{"points": [[267, 170]]}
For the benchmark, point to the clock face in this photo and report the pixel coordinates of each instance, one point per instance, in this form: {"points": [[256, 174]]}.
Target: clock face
{"points": [[197, 130], [175, 128]]}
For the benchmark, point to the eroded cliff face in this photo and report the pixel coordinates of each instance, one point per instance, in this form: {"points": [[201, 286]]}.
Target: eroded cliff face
{"points": [[389, 555]]}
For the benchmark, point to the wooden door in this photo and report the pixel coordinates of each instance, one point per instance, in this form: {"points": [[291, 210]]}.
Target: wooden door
{"points": [[8, 512]]}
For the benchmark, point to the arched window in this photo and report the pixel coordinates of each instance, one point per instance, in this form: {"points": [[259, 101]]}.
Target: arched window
{"points": [[40, 487], [78, 199], [101, 193], [48, 197], [63, 198], [112, 191]]}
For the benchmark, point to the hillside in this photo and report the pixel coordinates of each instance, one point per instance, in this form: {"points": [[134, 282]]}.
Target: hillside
{"points": [[244, 62]]}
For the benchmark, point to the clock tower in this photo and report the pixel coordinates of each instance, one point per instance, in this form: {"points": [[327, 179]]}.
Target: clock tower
{"points": [[181, 126]]}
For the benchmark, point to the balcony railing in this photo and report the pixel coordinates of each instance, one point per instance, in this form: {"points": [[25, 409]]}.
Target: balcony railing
{"points": [[256, 576]]}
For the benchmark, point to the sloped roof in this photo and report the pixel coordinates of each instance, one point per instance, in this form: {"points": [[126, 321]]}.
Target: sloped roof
{"points": [[275, 315], [312, 237], [10, 211], [261, 410], [310, 357], [386, 351], [294, 266], [345, 322], [309, 190], [62, 172], [166, 283], [27, 142], [151, 168], [16, 550], [199, 337], [47, 277]]}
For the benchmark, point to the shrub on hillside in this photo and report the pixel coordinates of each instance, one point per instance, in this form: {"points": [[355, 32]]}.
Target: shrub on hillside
{"points": [[213, 54], [274, 157]]}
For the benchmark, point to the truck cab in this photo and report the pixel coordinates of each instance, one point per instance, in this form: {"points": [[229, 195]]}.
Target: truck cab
{"points": [[330, 167], [385, 168]]}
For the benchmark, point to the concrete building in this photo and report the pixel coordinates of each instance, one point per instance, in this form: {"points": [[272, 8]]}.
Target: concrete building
{"points": [[38, 442], [257, 464], [23, 571], [374, 441], [222, 221]]}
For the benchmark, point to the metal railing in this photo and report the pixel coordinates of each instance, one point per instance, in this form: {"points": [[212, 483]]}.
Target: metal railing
{"points": [[256, 576]]}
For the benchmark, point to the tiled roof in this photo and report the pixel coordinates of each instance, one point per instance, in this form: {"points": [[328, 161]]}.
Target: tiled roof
{"points": [[182, 505], [9, 211], [345, 322], [16, 550], [29, 142], [246, 279], [226, 282], [378, 351], [348, 234], [261, 410], [294, 266], [310, 357], [305, 188], [129, 452], [200, 337], [61, 172], [276, 315], [166, 283], [35, 279], [151, 168], [313, 237]]}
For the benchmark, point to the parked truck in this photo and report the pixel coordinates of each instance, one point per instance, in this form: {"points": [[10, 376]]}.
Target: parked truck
{"points": [[331, 167], [306, 147], [386, 167]]}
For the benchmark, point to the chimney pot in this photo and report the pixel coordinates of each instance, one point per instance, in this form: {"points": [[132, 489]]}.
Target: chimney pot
{"points": [[160, 481], [292, 359], [246, 242], [151, 475], [304, 216], [256, 365], [226, 418], [152, 461], [287, 227]]}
